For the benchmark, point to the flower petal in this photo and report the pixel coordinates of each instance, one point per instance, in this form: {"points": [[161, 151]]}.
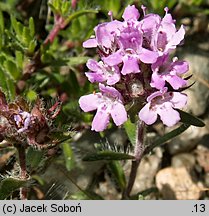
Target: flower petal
{"points": [[175, 81], [180, 67], [89, 102], [130, 65], [113, 59], [95, 77], [168, 115], [177, 38], [90, 43], [179, 100], [118, 114], [100, 121], [93, 65], [110, 91], [157, 81], [103, 36], [148, 56], [114, 78], [147, 115]]}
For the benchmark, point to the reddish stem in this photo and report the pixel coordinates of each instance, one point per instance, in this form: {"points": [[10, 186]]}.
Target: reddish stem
{"points": [[23, 171]]}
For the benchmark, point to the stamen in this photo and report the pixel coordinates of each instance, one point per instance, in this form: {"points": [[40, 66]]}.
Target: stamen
{"points": [[144, 9], [110, 13], [166, 9]]}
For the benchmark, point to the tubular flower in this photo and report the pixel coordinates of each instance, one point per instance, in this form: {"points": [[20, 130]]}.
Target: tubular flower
{"points": [[165, 70], [107, 102], [162, 103]]}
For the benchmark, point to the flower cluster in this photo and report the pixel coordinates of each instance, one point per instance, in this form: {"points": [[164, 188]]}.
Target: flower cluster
{"points": [[30, 126], [135, 68]]}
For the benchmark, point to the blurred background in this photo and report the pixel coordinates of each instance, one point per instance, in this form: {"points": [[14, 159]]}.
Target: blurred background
{"points": [[38, 58]]}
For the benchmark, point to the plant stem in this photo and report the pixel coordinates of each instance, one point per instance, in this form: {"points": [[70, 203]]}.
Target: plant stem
{"points": [[23, 171], [138, 153]]}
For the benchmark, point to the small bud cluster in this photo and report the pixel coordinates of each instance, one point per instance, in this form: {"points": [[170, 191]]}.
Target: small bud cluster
{"points": [[22, 125], [135, 68]]}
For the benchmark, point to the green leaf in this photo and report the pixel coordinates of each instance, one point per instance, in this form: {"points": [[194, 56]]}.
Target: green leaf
{"points": [[130, 129], [107, 155], [31, 27], [32, 46], [65, 7], [19, 59], [26, 36], [68, 155], [9, 185], [7, 84], [190, 119], [118, 172], [12, 69], [34, 158], [14, 24], [167, 137], [1, 22]]}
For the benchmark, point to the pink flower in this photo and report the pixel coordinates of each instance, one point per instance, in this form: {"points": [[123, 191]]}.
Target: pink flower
{"points": [[130, 51], [107, 102], [163, 103], [101, 72], [161, 34], [165, 70], [105, 34]]}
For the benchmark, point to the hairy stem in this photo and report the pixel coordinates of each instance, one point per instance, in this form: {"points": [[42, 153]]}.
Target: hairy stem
{"points": [[138, 153], [23, 171]]}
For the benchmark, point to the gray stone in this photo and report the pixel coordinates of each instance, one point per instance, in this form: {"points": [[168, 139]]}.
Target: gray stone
{"points": [[196, 52], [183, 160], [187, 140], [178, 183], [147, 170]]}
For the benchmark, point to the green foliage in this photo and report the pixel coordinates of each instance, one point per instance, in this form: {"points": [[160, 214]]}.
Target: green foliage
{"points": [[7, 83], [23, 35], [34, 158], [117, 171], [189, 119], [68, 156], [107, 155], [9, 185], [131, 131]]}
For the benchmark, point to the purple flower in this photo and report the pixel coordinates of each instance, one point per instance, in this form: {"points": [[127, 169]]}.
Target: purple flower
{"points": [[130, 51], [162, 103], [101, 72], [22, 120], [105, 35], [108, 102], [161, 34], [165, 70]]}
